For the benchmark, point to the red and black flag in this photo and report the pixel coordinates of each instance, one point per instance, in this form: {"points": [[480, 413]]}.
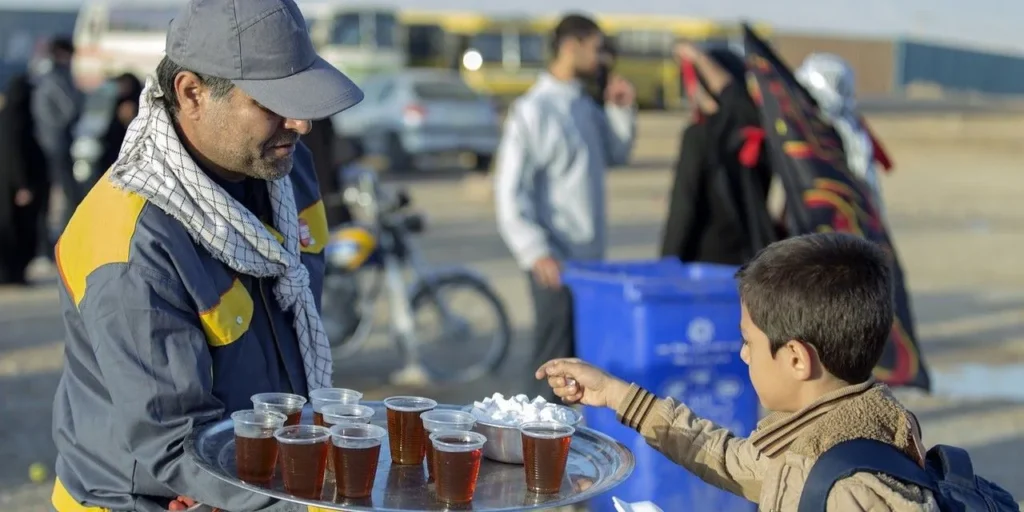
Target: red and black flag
{"points": [[822, 194]]}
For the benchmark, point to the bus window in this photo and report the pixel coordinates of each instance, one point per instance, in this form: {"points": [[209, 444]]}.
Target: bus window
{"points": [[346, 30], [645, 44], [384, 28], [490, 46], [532, 49], [425, 41], [140, 19]]}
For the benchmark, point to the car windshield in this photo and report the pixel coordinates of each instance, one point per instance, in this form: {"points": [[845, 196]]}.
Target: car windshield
{"points": [[443, 89]]}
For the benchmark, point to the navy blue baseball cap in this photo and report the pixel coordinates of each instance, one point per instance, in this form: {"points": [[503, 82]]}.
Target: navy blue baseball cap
{"points": [[264, 48]]}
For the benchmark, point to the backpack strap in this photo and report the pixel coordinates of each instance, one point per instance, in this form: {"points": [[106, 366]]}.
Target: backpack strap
{"points": [[856, 456], [955, 464]]}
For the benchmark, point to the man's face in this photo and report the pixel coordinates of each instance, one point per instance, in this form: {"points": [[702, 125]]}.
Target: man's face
{"points": [[586, 54], [243, 137]]}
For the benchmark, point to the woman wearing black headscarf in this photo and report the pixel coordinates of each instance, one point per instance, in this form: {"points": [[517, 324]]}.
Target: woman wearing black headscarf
{"points": [[718, 206], [129, 89], [24, 185]]}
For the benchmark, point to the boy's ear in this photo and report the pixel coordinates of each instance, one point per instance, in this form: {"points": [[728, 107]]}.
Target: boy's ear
{"points": [[801, 359]]}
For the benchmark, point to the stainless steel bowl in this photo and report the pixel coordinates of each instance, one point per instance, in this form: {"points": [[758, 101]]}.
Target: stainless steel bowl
{"points": [[505, 443]]}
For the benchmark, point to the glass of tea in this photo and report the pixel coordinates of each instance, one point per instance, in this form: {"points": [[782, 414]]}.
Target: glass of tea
{"points": [[284, 403], [327, 396], [255, 446], [440, 419], [457, 456], [355, 449], [303, 459], [545, 454], [346, 413], [406, 436]]}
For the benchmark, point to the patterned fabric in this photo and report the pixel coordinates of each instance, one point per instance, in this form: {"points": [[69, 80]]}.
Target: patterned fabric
{"points": [[154, 164]]}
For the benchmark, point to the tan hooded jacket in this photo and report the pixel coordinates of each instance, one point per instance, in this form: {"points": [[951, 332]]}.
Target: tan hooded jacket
{"points": [[771, 466]]}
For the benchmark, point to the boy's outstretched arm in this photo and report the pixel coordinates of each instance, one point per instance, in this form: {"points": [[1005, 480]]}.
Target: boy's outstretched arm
{"points": [[707, 450], [711, 452]]}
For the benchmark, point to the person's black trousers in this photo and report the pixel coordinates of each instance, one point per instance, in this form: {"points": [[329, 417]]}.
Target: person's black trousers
{"points": [[554, 332]]}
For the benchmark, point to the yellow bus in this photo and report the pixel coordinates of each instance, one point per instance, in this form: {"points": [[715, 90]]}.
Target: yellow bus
{"points": [[644, 47], [505, 57], [438, 39]]}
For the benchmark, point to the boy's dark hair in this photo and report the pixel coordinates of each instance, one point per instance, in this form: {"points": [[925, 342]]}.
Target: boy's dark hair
{"points": [[829, 290], [168, 70], [573, 26]]}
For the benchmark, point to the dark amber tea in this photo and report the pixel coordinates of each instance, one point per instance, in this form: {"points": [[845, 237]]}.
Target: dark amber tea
{"points": [[304, 451], [545, 454], [284, 403], [255, 446], [457, 456], [436, 420], [355, 450], [406, 436]]}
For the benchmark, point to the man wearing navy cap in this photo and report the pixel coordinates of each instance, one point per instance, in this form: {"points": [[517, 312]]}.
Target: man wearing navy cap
{"points": [[191, 273]]}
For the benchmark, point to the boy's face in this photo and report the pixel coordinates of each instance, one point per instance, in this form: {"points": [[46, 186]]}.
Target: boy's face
{"points": [[776, 378]]}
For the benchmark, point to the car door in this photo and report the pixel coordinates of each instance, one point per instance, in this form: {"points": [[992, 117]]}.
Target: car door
{"points": [[356, 121]]}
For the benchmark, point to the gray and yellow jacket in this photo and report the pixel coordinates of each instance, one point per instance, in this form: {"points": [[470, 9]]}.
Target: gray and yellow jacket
{"points": [[162, 338]]}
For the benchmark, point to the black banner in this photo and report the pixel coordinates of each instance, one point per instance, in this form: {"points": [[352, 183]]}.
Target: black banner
{"points": [[821, 193]]}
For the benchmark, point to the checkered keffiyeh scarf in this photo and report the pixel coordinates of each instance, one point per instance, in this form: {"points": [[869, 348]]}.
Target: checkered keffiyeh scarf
{"points": [[154, 164]]}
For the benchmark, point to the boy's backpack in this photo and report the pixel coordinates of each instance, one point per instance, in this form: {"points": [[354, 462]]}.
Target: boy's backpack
{"points": [[948, 473]]}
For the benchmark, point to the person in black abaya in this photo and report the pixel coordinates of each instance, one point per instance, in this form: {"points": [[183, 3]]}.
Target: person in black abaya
{"points": [[24, 185], [718, 205]]}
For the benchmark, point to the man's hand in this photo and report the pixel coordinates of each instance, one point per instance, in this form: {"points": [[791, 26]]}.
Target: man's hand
{"points": [[620, 92], [686, 51], [184, 503], [575, 381], [23, 197], [548, 272]]}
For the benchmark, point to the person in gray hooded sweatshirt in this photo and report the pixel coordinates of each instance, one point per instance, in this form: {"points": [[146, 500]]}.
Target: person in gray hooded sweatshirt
{"points": [[56, 105], [550, 175]]}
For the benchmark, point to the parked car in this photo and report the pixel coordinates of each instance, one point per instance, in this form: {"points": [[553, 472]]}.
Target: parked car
{"points": [[415, 113]]}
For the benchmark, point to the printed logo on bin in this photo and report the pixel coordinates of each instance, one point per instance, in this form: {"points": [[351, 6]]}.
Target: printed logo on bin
{"points": [[700, 331]]}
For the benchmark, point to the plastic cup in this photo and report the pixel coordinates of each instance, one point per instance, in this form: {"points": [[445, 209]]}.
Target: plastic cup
{"points": [[545, 454], [328, 396], [457, 456], [284, 403], [406, 435], [355, 450], [255, 446], [436, 420], [335, 414], [303, 459]]}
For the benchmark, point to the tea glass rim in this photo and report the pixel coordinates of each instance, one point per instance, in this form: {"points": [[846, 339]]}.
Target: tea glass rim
{"points": [[558, 429], [320, 434], [240, 416], [340, 396], [475, 440], [329, 410], [374, 432], [452, 420], [279, 399], [425, 404]]}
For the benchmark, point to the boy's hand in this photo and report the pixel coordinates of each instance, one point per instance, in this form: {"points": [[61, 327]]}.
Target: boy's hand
{"points": [[575, 381]]}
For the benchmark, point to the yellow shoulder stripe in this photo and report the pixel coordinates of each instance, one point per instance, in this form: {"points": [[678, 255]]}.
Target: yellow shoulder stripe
{"points": [[99, 233]]}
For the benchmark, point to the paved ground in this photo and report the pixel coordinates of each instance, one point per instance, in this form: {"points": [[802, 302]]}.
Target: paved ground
{"points": [[956, 214]]}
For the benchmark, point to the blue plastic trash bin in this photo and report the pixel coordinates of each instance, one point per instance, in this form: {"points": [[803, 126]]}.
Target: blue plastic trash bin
{"points": [[673, 328]]}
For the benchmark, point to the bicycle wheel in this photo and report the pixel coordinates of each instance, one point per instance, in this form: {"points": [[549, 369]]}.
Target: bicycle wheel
{"points": [[456, 351]]}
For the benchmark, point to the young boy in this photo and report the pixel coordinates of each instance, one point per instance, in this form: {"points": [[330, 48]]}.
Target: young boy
{"points": [[816, 313]]}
